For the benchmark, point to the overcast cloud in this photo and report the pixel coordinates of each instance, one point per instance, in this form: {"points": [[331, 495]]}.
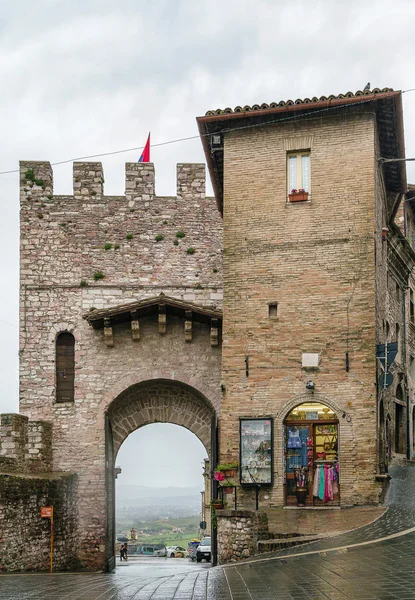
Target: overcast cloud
{"points": [[85, 77]]}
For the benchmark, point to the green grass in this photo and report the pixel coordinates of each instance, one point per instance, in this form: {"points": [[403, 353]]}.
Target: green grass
{"points": [[160, 531]]}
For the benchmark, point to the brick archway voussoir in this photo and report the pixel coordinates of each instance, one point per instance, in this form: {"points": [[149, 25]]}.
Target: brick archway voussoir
{"points": [[160, 402]]}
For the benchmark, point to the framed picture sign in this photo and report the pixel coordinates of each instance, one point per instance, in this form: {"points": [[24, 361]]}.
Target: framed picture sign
{"points": [[255, 443]]}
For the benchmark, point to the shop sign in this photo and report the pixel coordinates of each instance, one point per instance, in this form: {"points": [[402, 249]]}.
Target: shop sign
{"points": [[256, 451], [311, 416], [46, 512]]}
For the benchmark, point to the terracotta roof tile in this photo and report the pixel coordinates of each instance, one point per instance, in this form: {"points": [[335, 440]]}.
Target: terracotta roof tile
{"points": [[282, 103]]}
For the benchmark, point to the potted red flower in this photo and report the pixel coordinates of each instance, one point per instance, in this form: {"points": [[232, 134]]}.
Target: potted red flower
{"points": [[298, 195]]}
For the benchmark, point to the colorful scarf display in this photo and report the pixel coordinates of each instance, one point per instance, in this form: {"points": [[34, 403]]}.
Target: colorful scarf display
{"points": [[325, 484]]}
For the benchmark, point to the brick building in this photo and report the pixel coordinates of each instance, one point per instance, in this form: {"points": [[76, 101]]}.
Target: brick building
{"points": [[121, 311], [317, 275]]}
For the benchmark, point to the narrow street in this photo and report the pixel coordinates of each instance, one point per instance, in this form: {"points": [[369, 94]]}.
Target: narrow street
{"points": [[375, 562]]}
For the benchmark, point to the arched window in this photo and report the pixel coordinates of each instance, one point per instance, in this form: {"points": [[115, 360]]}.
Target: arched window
{"points": [[65, 367]]}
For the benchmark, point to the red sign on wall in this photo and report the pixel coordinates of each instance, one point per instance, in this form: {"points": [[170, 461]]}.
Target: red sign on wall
{"points": [[46, 512]]}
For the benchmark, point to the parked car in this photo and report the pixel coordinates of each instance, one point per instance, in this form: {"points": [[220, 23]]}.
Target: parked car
{"points": [[204, 550], [160, 552], [176, 552], [150, 549]]}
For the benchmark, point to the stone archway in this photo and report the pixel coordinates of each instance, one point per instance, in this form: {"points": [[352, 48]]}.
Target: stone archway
{"points": [[160, 401], [152, 401]]}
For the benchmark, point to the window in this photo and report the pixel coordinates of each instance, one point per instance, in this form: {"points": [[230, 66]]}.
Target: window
{"points": [[398, 333], [411, 306], [273, 310], [298, 171], [65, 367]]}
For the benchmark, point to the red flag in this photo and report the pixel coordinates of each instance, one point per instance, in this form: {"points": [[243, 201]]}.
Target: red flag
{"points": [[145, 155]]}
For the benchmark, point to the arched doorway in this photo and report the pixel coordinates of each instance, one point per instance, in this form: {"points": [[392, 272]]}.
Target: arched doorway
{"points": [[311, 456], [154, 401], [399, 421]]}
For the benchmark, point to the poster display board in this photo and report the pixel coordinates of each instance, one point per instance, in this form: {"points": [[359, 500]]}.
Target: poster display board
{"points": [[256, 451]]}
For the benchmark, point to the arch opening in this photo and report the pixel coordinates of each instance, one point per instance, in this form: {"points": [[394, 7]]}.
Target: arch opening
{"points": [[311, 455], [160, 489], [157, 401]]}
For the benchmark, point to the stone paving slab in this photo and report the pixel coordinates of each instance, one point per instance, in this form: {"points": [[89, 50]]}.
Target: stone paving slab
{"points": [[374, 571], [316, 521]]}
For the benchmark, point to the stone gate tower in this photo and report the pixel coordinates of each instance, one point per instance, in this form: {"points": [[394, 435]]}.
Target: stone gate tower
{"points": [[120, 320]]}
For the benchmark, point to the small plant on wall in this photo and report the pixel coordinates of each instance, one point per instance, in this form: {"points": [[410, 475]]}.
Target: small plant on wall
{"points": [[191, 250], [32, 179], [98, 275]]}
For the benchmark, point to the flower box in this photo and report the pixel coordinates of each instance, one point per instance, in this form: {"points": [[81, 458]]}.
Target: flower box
{"points": [[228, 489], [298, 197], [230, 473]]}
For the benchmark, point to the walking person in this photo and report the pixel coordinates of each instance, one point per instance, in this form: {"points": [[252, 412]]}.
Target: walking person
{"points": [[124, 552]]}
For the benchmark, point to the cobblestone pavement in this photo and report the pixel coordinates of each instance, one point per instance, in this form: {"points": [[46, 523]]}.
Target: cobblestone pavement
{"points": [[327, 569]]}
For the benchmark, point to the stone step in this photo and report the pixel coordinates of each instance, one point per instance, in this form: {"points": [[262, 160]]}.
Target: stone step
{"points": [[277, 544], [285, 536]]}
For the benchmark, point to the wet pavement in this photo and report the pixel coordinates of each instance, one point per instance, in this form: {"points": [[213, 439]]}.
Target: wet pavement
{"points": [[375, 562]]}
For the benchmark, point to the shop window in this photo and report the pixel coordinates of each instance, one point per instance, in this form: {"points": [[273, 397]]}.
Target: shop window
{"points": [[311, 456], [65, 367]]}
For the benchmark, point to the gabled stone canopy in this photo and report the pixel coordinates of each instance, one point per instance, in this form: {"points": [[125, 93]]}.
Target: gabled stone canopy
{"points": [[162, 306], [143, 308]]}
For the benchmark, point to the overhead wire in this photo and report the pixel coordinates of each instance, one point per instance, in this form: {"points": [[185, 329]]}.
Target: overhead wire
{"points": [[193, 137]]}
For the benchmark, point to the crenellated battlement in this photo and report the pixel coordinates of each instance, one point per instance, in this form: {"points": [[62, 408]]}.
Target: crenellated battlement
{"points": [[25, 446], [133, 239], [36, 180]]}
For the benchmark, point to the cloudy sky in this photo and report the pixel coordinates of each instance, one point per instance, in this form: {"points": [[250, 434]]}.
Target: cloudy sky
{"points": [[83, 77]]}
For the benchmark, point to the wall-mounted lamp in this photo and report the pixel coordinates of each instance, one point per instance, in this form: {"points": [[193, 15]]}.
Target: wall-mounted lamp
{"points": [[310, 385], [216, 141]]}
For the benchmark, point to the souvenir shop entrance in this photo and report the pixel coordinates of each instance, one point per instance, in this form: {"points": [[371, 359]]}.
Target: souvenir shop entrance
{"points": [[311, 466]]}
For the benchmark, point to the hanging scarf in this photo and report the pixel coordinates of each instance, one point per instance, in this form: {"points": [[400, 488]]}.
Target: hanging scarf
{"points": [[321, 483]]}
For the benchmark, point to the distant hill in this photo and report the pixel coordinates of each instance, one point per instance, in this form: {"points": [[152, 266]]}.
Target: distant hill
{"points": [[138, 502], [132, 494]]}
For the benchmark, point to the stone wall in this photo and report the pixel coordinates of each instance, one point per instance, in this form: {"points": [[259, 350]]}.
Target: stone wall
{"points": [[25, 446], [238, 534], [25, 535], [26, 484]]}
